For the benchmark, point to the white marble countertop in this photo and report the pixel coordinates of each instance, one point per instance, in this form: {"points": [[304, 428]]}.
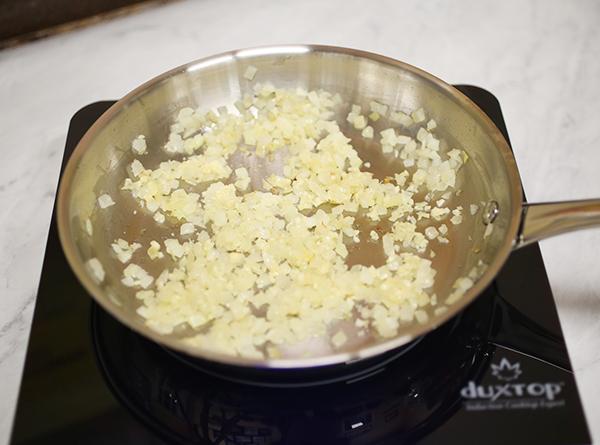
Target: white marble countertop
{"points": [[540, 58]]}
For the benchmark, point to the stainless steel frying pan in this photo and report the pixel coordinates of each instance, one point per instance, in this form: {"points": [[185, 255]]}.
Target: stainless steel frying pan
{"points": [[99, 162]]}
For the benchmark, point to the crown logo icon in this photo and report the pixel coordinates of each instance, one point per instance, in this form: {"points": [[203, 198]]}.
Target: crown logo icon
{"points": [[505, 371]]}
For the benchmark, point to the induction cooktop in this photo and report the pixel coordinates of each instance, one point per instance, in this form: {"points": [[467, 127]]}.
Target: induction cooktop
{"points": [[498, 373]]}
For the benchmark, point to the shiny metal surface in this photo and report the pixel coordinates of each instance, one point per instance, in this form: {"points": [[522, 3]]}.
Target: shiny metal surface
{"points": [[553, 218], [99, 162]]}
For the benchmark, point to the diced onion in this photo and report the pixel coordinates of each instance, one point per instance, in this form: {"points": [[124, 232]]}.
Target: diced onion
{"points": [[250, 72], [105, 201], [96, 268], [283, 244]]}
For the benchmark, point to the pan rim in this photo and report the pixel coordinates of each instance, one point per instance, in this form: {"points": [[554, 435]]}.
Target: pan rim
{"points": [[95, 291]]}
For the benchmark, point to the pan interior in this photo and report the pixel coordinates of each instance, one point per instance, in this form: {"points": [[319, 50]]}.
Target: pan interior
{"points": [[100, 165]]}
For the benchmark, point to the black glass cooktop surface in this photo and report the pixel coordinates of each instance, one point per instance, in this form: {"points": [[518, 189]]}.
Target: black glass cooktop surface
{"points": [[499, 373]]}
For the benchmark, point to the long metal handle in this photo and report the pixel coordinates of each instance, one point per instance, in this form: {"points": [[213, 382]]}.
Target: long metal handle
{"points": [[548, 219]]}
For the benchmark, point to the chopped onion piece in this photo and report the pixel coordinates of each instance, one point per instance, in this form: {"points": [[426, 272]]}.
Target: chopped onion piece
{"points": [[154, 250], [96, 268], [88, 227], [339, 339], [105, 201], [134, 275], [401, 118], [359, 122], [187, 229], [136, 168], [174, 248], [250, 72], [431, 232], [421, 316], [418, 116], [138, 145], [124, 250], [367, 132], [374, 116], [378, 108]]}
